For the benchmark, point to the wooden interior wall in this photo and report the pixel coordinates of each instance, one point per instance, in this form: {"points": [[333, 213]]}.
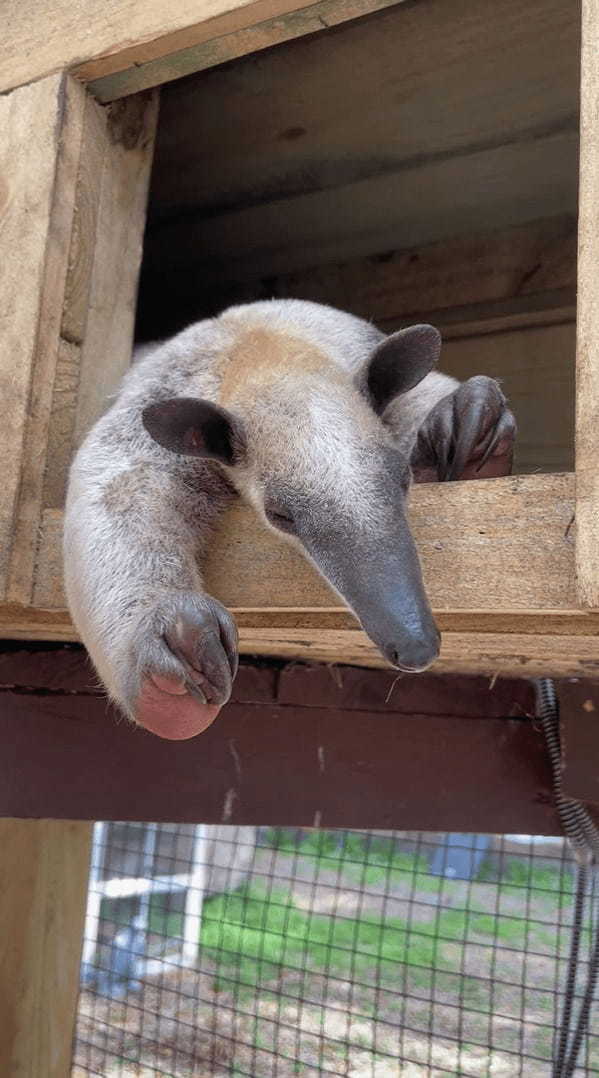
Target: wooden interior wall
{"points": [[417, 124], [536, 369], [397, 168]]}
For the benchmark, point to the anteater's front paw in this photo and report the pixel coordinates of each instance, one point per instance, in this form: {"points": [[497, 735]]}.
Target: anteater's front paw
{"points": [[184, 661], [468, 435]]}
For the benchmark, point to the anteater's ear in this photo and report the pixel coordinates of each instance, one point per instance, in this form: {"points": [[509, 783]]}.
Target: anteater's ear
{"points": [[196, 428], [399, 364]]}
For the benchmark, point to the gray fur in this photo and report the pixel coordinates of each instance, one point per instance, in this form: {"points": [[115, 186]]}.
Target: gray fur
{"points": [[138, 517]]}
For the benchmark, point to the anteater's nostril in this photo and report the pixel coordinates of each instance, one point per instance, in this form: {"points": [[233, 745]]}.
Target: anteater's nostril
{"points": [[413, 657]]}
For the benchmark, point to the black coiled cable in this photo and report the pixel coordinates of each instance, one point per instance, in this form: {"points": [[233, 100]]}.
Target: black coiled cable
{"points": [[583, 836]]}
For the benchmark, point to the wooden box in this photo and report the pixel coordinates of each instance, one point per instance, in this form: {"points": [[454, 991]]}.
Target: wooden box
{"points": [[419, 162], [407, 161]]}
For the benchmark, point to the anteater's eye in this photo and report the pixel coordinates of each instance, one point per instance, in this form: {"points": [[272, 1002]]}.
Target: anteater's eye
{"points": [[280, 518]]}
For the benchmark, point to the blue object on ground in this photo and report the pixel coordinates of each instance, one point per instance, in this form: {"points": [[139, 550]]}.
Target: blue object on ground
{"points": [[459, 856]]}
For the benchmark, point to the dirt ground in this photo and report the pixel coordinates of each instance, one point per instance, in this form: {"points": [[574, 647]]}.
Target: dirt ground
{"points": [[484, 1008]]}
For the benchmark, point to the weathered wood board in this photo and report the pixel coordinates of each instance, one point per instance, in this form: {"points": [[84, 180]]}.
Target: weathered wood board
{"points": [[287, 163], [98, 314], [72, 226], [44, 869], [587, 367], [161, 41], [498, 564], [298, 746], [38, 178]]}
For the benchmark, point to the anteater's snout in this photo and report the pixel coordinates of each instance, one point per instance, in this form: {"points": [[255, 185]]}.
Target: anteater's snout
{"points": [[416, 654]]}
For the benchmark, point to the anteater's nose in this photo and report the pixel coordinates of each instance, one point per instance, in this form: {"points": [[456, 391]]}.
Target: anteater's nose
{"points": [[416, 654]]}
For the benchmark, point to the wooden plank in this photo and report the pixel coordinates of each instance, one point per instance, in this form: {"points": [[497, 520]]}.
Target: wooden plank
{"points": [[44, 871], [498, 544], [101, 285], [498, 563], [37, 205], [243, 42], [61, 430], [401, 209], [285, 161], [87, 197], [288, 765], [579, 722], [128, 143], [296, 119], [479, 283], [531, 652], [459, 285], [96, 42], [494, 654], [536, 370], [587, 366], [494, 545], [67, 669]]}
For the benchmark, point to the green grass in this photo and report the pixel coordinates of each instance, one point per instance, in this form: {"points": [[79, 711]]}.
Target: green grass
{"points": [[253, 935], [365, 861], [516, 876]]}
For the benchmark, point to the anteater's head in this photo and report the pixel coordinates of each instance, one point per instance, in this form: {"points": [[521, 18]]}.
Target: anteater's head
{"points": [[298, 427]]}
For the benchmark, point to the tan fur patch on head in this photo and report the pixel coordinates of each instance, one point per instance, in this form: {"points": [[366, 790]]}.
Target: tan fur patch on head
{"points": [[260, 357]]}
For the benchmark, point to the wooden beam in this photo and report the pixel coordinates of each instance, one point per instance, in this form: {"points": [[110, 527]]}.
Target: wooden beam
{"points": [[397, 209], [44, 871], [158, 39], [579, 722], [298, 746], [222, 47], [587, 366], [498, 564], [491, 545], [96, 328], [39, 176], [479, 283], [72, 235]]}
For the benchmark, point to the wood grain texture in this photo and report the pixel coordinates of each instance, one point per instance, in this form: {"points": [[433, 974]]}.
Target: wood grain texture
{"points": [[128, 141], [493, 654], [494, 545], [405, 208], [498, 563], [38, 184], [579, 723], [61, 430], [536, 368], [98, 41], [291, 765], [499, 544], [587, 366], [468, 285], [414, 83], [460, 285], [101, 284], [214, 50], [43, 891], [380, 136]]}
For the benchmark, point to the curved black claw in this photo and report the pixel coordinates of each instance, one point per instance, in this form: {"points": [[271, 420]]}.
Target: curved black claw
{"points": [[467, 435], [194, 638]]}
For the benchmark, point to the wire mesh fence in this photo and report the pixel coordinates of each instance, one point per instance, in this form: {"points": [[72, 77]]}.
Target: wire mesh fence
{"points": [[214, 951]]}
